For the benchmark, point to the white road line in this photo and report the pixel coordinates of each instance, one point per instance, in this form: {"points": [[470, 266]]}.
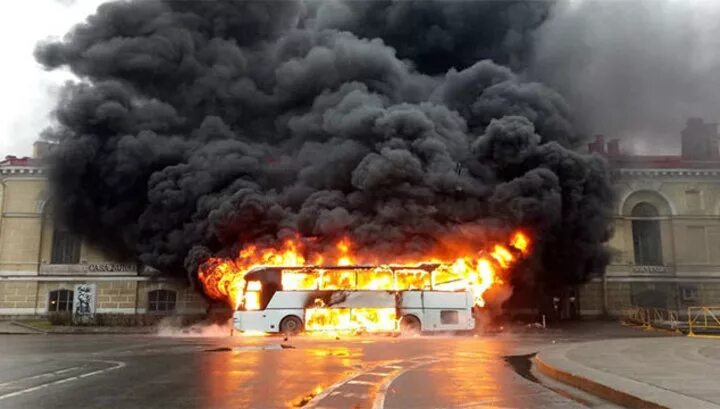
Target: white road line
{"points": [[117, 364], [355, 395], [360, 383], [379, 402], [392, 366], [312, 404], [314, 401], [42, 375]]}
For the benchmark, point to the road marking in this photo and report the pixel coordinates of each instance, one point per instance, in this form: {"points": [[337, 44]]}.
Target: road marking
{"points": [[379, 402], [355, 395], [117, 365], [42, 375], [332, 390], [353, 382], [319, 397]]}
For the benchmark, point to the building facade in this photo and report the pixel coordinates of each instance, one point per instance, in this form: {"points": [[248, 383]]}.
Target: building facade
{"points": [[45, 269], [665, 247], [666, 241]]}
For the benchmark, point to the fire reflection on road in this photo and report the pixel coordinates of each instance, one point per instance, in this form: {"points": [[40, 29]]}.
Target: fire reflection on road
{"points": [[237, 379]]}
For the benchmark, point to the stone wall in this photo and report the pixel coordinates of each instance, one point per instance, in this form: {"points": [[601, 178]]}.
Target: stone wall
{"points": [[122, 296], [117, 296], [18, 296], [591, 299], [20, 225]]}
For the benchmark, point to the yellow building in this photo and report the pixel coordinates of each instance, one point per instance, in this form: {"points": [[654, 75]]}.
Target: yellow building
{"points": [[666, 245], [666, 242], [42, 268]]}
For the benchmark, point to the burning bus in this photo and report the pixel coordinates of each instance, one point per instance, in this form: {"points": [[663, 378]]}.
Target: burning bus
{"points": [[354, 298], [277, 289]]}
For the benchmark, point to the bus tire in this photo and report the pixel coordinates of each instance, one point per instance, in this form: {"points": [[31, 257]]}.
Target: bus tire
{"points": [[291, 325], [410, 324]]}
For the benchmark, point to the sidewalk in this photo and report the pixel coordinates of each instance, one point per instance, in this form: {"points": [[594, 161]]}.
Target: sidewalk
{"points": [[667, 372], [9, 327], [13, 328]]}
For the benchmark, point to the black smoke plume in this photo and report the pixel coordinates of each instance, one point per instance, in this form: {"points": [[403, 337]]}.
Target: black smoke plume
{"points": [[199, 127]]}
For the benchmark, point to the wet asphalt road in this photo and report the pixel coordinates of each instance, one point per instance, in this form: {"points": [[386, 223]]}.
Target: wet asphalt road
{"points": [[111, 371]]}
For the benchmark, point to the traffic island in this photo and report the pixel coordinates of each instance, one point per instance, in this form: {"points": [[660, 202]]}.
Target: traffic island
{"points": [[672, 372]]}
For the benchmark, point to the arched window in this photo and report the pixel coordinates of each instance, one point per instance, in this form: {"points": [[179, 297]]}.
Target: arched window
{"points": [[646, 235], [60, 300], [65, 247], [161, 300]]}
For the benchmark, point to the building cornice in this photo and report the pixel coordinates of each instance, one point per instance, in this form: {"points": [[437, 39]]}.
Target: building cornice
{"points": [[21, 171], [654, 172]]}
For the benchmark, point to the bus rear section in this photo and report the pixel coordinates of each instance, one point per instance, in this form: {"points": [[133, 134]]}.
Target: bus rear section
{"points": [[291, 300]]}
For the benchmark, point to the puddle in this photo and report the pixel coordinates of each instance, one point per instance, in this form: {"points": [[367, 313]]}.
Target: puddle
{"points": [[522, 365]]}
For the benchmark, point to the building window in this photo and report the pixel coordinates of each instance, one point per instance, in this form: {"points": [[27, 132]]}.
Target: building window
{"points": [[689, 293], [60, 300], [646, 235], [65, 248], [693, 199], [161, 300]]}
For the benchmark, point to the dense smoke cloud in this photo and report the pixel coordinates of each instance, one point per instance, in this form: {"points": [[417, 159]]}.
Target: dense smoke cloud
{"points": [[201, 127], [437, 35], [633, 69]]}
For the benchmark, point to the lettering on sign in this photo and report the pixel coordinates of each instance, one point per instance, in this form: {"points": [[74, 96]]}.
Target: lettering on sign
{"points": [[111, 267], [651, 269]]}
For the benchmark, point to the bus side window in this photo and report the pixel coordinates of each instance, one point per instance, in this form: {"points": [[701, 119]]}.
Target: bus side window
{"points": [[449, 317]]}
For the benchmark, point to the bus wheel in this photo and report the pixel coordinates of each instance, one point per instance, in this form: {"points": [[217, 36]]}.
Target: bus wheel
{"points": [[409, 324], [291, 325]]}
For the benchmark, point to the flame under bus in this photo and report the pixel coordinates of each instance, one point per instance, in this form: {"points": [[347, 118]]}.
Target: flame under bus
{"points": [[354, 298]]}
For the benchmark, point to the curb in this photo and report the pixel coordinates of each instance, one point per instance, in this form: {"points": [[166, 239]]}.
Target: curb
{"points": [[595, 388]]}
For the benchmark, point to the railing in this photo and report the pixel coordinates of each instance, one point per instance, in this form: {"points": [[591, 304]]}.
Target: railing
{"points": [[653, 318], [703, 319], [637, 315]]}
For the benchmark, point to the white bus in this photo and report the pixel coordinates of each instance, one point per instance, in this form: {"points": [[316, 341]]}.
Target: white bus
{"points": [[364, 298]]}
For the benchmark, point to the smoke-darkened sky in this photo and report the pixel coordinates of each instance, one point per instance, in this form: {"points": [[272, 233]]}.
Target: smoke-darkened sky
{"points": [[633, 69], [198, 128], [201, 127], [629, 69], [30, 93]]}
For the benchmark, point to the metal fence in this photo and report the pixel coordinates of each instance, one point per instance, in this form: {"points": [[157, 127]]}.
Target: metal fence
{"points": [[700, 320], [704, 319], [661, 318]]}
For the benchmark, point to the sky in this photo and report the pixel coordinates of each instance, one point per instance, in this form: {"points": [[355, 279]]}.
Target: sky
{"points": [[635, 81], [28, 91]]}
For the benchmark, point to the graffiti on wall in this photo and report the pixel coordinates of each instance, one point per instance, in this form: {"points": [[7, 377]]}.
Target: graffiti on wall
{"points": [[84, 302]]}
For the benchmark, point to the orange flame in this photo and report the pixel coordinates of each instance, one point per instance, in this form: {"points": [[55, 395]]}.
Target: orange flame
{"points": [[223, 279]]}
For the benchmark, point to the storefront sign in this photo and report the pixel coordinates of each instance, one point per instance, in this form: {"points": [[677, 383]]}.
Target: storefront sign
{"points": [[111, 267]]}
